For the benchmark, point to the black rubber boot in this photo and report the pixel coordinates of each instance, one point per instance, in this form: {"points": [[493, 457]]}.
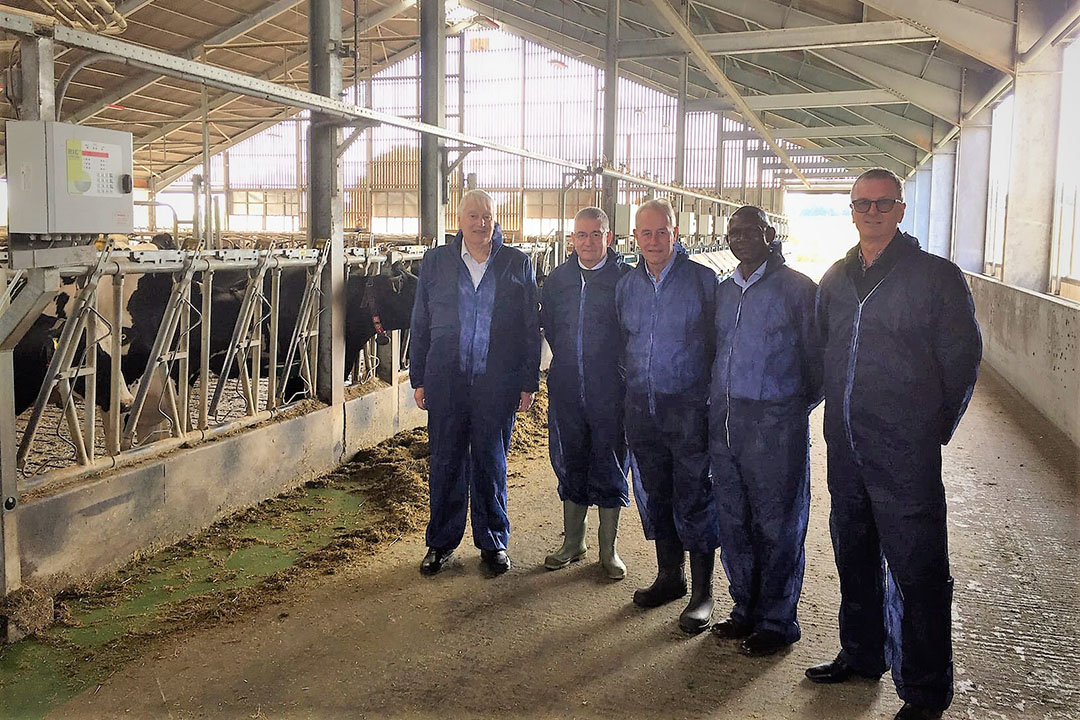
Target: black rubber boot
{"points": [[670, 583], [698, 613]]}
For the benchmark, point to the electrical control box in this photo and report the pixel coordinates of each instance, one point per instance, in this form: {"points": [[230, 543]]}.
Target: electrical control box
{"points": [[704, 224], [68, 179], [687, 223]]}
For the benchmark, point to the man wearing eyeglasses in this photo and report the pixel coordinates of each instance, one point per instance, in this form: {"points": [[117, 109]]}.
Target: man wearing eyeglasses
{"points": [[585, 391], [902, 352], [665, 309], [765, 380]]}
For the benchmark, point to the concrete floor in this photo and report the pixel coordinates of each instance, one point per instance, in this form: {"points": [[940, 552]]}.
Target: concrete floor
{"points": [[379, 641]]}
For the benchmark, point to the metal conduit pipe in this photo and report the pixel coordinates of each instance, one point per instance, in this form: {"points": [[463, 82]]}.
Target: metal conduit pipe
{"points": [[69, 74], [158, 203], [673, 189], [133, 267]]}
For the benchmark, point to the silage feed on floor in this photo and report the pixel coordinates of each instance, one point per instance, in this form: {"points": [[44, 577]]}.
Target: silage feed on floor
{"points": [[238, 565]]}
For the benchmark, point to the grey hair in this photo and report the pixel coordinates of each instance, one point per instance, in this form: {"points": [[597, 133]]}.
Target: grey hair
{"points": [[662, 205], [594, 213], [478, 197], [883, 174]]}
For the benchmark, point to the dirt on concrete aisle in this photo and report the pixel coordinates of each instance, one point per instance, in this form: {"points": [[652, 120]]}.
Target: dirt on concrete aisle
{"points": [[377, 640]]}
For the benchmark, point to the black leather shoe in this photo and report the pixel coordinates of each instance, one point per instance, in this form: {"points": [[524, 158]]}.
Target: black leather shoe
{"points": [[762, 643], [914, 712], [731, 629], [435, 560], [496, 561], [836, 671]]}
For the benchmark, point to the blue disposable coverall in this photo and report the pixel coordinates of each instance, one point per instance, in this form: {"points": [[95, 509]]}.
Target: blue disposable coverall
{"points": [[585, 383], [900, 366], [474, 351], [668, 352], [765, 379]]}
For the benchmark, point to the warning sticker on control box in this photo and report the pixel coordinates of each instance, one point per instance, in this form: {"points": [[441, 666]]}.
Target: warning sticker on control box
{"points": [[93, 169]]}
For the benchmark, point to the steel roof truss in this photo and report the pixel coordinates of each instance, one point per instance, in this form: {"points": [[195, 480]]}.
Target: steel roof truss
{"points": [[820, 36], [984, 37]]}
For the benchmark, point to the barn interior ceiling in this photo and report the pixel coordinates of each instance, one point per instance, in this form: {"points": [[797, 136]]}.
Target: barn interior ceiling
{"points": [[892, 77]]}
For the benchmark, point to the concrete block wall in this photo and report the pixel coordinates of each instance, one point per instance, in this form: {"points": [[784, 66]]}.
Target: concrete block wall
{"points": [[1031, 340]]}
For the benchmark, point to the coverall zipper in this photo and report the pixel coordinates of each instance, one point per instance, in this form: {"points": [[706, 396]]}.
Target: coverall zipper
{"points": [[731, 353], [652, 339], [852, 356], [581, 341]]}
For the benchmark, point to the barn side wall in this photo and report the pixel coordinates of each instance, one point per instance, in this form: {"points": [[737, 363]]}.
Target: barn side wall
{"points": [[1030, 339]]}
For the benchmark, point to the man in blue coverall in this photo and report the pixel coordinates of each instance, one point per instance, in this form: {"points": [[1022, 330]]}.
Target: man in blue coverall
{"points": [[902, 352], [585, 391], [765, 380], [665, 309], [474, 359]]}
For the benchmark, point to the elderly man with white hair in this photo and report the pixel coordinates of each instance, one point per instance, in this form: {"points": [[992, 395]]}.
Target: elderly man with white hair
{"points": [[474, 360], [666, 308]]}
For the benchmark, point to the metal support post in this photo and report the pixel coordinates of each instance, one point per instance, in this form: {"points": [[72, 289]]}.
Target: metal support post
{"points": [[680, 120], [921, 202], [942, 188], [719, 153], [1037, 94], [433, 170], [326, 208], [10, 567], [972, 189], [611, 105], [37, 93]]}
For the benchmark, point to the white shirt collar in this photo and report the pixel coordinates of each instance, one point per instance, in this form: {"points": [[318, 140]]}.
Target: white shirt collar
{"points": [[597, 266], [744, 283]]}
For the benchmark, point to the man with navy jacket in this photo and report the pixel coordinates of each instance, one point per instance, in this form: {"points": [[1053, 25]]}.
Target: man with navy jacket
{"points": [[902, 352], [665, 309], [474, 359], [585, 391], [765, 379]]}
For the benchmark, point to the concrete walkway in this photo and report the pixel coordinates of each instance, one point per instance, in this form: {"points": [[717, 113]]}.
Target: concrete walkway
{"points": [[378, 640]]}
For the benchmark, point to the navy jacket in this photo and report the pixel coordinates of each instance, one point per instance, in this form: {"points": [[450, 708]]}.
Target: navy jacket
{"points": [[901, 365], [487, 337], [767, 345], [668, 332], [582, 329]]}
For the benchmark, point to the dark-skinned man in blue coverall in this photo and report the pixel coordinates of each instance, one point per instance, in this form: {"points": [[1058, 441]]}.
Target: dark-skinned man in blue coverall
{"points": [[665, 309], [902, 352], [585, 391], [474, 359], [765, 380]]}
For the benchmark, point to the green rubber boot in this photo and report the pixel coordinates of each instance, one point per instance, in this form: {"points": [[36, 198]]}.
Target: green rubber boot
{"points": [[609, 530], [573, 547]]}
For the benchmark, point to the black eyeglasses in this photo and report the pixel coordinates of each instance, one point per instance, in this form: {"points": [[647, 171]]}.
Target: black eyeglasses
{"points": [[595, 235], [884, 205]]}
